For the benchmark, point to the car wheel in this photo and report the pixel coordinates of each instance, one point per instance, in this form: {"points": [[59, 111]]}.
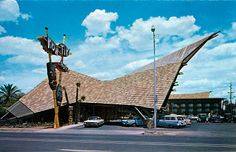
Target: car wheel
{"points": [[134, 125]]}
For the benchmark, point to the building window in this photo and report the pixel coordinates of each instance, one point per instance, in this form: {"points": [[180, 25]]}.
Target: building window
{"points": [[199, 110], [199, 105], [207, 105], [216, 105], [216, 111], [182, 110], [175, 105], [174, 110], [190, 105], [207, 110], [182, 105], [190, 110]]}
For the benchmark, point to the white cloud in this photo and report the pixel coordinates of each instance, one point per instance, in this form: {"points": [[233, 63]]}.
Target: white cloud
{"points": [[40, 71], [230, 33], [23, 50], [102, 75], [10, 11], [139, 34], [2, 78], [25, 16], [137, 64], [80, 64], [99, 22], [24, 79], [2, 30]]}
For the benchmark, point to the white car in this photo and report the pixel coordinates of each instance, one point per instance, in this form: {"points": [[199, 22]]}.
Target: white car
{"points": [[94, 121], [186, 120], [171, 120]]}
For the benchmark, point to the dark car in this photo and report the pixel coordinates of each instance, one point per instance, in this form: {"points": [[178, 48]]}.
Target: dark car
{"points": [[216, 119], [202, 117]]}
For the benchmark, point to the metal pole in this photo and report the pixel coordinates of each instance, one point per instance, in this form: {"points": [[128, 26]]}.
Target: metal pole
{"points": [[155, 96], [76, 103]]}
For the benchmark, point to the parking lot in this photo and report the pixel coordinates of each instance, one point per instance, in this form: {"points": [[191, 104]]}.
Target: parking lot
{"points": [[194, 130]]}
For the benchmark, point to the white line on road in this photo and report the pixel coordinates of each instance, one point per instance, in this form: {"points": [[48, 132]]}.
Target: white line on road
{"points": [[78, 150]]}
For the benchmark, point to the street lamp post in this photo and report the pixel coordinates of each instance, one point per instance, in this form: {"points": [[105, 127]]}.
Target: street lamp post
{"points": [[77, 104], [155, 96]]}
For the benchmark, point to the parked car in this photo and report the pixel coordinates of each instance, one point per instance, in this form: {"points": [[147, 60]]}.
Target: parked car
{"points": [[94, 121], [132, 121], [186, 119], [202, 117], [216, 119], [171, 121], [193, 118]]}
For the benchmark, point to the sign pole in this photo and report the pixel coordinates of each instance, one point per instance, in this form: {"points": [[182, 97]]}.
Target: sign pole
{"points": [[56, 108], [61, 49]]}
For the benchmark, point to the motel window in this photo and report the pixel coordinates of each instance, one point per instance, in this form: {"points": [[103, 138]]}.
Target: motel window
{"points": [[190, 105], [182, 105], [199, 105], [216, 105], [190, 110], [216, 111], [207, 105], [207, 110], [175, 110], [175, 105], [199, 110]]}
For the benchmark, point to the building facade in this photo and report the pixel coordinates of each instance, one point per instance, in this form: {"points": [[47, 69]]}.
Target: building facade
{"points": [[194, 104]]}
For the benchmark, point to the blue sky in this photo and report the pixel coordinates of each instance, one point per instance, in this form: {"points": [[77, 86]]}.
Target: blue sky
{"points": [[109, 39]]}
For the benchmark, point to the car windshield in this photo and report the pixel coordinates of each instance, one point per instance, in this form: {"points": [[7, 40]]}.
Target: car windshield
{"points": [[180, 118], [93, 118]]}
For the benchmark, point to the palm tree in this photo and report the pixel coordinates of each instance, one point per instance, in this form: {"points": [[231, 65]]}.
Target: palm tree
{"points": [[9, 94]]}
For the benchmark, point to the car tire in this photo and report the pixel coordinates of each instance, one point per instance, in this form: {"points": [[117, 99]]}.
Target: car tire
{"points": [[134, 125]]}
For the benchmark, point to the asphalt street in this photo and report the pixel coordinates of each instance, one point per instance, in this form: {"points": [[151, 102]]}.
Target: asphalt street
{"points": [[198, 137]]}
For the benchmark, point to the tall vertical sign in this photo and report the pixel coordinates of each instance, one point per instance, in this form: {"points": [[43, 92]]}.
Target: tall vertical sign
{"points": [[61, 50]]}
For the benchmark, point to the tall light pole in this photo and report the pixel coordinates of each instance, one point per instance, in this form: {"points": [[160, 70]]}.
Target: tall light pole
{"points": [[155, 96]]}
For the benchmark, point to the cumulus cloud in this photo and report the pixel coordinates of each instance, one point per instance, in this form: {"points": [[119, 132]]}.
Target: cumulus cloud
{"points": [[99, 22], [139, 33], [25, 16], [136, 64], [10, 11], [2, 30], [230, 33], [128, 47], [22, 50], [40, 71], [2, 78], [80, 64]]}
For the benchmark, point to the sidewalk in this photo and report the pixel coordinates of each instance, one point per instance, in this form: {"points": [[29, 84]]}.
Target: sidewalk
{"points": [[41, 129], [51, 130]]}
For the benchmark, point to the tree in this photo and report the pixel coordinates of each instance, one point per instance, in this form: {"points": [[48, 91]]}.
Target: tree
{"points": [[9, 94]]}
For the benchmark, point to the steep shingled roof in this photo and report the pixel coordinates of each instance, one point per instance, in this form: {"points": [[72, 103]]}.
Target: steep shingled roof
{"points": [[134, 89]]}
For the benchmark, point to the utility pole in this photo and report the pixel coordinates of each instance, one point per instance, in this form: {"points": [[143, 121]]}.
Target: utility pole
{"points": [[155, 96], [230, 93]]}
